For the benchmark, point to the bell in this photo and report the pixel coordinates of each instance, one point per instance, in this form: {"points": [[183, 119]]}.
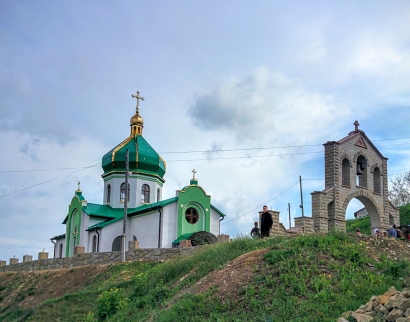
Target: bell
{"points": [[360, 168]]}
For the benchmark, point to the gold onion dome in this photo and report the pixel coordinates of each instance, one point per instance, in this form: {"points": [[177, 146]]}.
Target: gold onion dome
{"points": [[136, 120], [143, 159]]}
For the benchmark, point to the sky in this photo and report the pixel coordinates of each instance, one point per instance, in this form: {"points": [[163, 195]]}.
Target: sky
{"points": [[245, 92]]}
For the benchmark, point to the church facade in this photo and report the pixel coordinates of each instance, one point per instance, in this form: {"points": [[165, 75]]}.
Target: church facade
{"points": [[150, 220]]}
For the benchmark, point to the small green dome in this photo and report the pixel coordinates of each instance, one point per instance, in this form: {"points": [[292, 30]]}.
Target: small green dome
{"points": [[143, 158]]}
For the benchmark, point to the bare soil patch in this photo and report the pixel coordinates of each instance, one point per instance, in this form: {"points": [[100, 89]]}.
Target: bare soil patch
{"points": [[27, 289]]}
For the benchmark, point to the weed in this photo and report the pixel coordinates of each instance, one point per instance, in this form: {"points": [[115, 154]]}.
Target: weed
{"points": [[109, 302]]}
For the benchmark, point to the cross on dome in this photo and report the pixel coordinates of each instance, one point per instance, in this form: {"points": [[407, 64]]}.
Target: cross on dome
{"points": [[138, 97], [193, 173], [78, 186]]}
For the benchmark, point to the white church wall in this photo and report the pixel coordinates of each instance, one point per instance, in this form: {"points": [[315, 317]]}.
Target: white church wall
{"points": [[91, 235], [108, 234], [136, 182], [57, 248], [153, 186], [215, 224], [146, 229], [169, 225], [115, 181], [93, 221]]}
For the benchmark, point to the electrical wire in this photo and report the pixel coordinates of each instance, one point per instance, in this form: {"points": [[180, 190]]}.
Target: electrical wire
{"points": [[244, 157], [225, 222], [37, 184], [222, 158]]}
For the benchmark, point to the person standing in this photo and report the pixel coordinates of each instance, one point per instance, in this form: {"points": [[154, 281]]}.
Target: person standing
{"points": [[266, 222], [255, 230], [392, 231]]}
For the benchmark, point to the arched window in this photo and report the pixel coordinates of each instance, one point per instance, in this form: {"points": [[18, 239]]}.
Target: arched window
{"points": [[94, 243], [376, 181], [116, 244], [346, 173], [191, 215], [145, 193], [391, 219], [361, 172], [158, 195], [122, 193], [61, 251], [108, 193]]}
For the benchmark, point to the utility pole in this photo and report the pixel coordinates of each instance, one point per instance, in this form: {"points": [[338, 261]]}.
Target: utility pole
{"points": [[301, 196], [124, 226], [290, 225]]}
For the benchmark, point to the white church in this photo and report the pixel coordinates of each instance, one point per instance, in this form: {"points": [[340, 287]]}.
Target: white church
{"points": [[153, 222]]}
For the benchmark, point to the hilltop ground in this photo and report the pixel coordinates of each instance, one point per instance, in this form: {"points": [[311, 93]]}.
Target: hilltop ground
{"points": [[23, 293]]}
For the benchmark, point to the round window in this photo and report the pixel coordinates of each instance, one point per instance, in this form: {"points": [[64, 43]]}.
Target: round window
{"points": [[191, 215]]}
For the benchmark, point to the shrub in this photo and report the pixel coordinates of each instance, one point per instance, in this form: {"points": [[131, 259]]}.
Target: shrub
{"points": [[109, 302]]}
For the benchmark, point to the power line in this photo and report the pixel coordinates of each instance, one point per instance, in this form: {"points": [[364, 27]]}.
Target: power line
{"points": [[37, 184], [54, 169], [272, 147], [244, 157], [221, 158], [225, 222]]}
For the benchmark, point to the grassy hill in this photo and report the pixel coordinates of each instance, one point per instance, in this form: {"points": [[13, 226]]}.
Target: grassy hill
{"points": [[305, 278]]}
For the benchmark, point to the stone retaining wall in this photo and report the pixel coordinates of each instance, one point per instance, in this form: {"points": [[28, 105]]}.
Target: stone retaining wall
{"points": [[142, 254]]}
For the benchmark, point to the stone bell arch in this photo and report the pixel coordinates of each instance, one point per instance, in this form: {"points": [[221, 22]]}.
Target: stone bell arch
{"points": [[354, 168]]}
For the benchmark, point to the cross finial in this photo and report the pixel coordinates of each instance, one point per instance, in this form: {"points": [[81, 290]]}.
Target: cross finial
{"points": [[356, 125], [138, 97], [78, 186], [193, 173]]}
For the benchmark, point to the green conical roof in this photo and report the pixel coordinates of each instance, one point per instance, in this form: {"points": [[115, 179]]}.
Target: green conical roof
{"points": [[142, 158]]}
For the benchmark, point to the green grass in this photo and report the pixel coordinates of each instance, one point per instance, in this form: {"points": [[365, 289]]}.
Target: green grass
{"points": [[364, 223], [305, 278]]}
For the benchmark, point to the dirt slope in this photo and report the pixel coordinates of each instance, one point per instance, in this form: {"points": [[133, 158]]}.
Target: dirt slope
{"points": [[28, 289]]}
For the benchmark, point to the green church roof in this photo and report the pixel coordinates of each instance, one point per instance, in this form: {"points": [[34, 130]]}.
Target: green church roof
{"points": [[142, 158], [116, 214]]}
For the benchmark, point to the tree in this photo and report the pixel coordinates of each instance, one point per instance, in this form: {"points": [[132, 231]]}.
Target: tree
{"points": [[399, 192]]}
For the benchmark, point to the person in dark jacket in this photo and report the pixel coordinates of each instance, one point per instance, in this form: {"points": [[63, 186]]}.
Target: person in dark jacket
{"points": [[266, 222], [255, 232]]}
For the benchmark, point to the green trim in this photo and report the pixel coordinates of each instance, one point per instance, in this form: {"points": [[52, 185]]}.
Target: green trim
{"points": [[115, 214], [183, 237], [137, 176], [193, 196], [73, 221], [58, 237], [137, 172], [217, 210]]}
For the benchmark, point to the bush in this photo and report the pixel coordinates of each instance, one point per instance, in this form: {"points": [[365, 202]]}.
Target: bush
{"points": [[109, 302]]}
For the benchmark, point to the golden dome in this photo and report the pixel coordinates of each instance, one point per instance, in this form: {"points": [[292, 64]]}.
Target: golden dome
{"points": [[136, 120]]}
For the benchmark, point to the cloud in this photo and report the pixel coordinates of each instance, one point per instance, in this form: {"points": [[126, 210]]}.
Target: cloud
{"points": [[264, 106], [214, 151]]}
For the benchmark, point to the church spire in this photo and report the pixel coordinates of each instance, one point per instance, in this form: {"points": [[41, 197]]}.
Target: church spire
{"points": [[136, 122]]}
